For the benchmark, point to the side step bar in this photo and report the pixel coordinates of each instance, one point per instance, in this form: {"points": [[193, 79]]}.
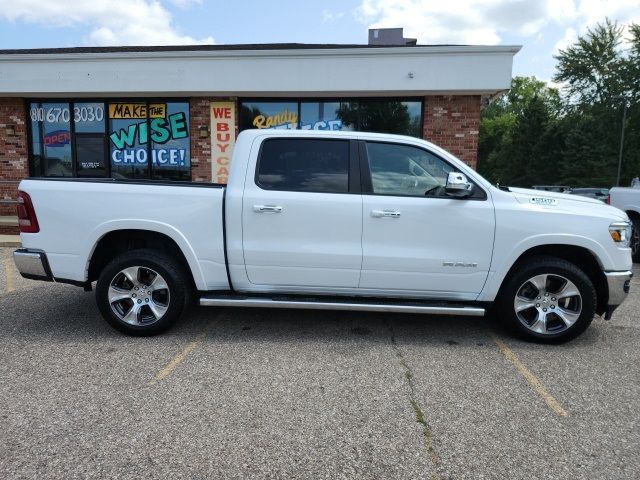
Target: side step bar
{"points": [[265, 302]]}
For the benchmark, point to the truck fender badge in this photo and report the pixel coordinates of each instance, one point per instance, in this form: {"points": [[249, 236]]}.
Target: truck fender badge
{"points": [[460, 264], [543, 201]]}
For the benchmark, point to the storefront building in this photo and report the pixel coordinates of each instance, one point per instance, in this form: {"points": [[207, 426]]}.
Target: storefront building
{"points": [[173, 113]]}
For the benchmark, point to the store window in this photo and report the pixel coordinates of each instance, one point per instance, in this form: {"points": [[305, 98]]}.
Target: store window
{"points": [[149, 140], [129, 139], [89, 139], [283, 115], [170, 143], [400, 116], [51, 124]]}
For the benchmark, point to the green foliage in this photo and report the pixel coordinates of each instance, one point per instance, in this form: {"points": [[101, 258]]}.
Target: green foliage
{"points": [[535, 135], [391, 117], [514, 131]]}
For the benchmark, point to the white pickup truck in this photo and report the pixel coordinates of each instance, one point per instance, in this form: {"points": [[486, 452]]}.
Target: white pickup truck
{"points": [[330, 220], [628, 200]]}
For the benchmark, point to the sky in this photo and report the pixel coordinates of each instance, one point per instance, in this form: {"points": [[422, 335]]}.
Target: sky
{"points": [[542, 27]]}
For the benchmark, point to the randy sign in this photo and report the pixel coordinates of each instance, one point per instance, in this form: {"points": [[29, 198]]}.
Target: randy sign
{"points": [[223, 138]]}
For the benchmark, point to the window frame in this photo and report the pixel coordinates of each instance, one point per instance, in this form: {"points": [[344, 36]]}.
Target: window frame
{"points": [[300, 100], [367, 184], [107, 165], [105, 102], [353, 165]]}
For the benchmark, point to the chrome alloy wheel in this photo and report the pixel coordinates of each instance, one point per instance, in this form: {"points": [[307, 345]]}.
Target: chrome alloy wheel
{"points": [[548, 304], [138, 295]]}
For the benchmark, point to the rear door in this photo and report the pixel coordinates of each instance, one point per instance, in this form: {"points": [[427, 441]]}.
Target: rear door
{"points": [[302, 215], [416, 240]]}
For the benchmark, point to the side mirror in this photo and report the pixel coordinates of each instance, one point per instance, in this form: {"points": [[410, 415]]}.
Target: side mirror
{"points": [[458, 186]]}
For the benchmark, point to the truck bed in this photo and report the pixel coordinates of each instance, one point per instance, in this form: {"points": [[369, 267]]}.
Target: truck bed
{"points": [[74, 214]]}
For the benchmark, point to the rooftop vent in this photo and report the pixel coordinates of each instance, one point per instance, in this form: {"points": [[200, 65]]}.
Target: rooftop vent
{"points": [[389, 37]]}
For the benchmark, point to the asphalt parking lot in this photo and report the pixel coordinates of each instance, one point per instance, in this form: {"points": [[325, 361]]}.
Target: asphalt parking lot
{"points": [[296, 394]]}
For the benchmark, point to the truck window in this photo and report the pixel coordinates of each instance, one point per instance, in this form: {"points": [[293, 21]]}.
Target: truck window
{"points": [[304, 165], [405, 170]]}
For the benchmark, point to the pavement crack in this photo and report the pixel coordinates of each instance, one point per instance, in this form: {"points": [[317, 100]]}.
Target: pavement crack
{"points": [[427, 435]]}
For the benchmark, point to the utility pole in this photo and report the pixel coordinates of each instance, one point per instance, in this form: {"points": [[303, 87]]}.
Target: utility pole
{"points": [[624, 118]]}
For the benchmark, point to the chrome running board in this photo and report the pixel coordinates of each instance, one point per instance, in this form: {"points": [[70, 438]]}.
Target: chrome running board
{"points": [[364, 306]]}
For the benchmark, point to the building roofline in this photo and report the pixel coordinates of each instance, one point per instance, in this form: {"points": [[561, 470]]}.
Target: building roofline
{"points": [[244, 50]]}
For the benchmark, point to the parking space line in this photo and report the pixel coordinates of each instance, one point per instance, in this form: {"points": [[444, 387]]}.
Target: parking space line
{"points": [[537, 385], [178, 359], [9, 273]]}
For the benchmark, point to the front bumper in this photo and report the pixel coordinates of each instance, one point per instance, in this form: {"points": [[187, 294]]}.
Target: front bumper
{"points": [[618, 284], [32, 264]]}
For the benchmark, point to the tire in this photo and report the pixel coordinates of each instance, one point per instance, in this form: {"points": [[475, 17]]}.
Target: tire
{"points": [[142, 292], [635, 240], [556, 300]]}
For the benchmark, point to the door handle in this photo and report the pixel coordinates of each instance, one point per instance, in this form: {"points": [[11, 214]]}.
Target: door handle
{"points": [[267, 208], [385, 213]]}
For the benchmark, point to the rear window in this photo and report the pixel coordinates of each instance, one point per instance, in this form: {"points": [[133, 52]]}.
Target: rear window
{"points": [[304, 165]]}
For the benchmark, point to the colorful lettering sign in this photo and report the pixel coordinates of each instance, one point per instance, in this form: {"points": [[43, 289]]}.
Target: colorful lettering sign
{"points": [[137, 110], [223, 138], [129, 144]]}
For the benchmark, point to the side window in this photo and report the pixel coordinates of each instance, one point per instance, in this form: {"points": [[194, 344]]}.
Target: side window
{"points": [[304, 165], [405, 170]]}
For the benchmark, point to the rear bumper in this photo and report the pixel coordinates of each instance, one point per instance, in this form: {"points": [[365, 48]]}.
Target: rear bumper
{"points": [[618, 284], [32, 264]]}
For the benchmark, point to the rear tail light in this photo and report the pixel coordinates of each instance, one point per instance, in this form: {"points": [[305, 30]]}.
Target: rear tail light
{"points": [[607, 200], [27, 219]]}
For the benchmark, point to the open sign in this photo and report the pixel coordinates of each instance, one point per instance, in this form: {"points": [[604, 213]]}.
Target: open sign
{"points": [[58, 138]]}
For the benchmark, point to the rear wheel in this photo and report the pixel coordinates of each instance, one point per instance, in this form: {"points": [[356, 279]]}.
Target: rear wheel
{"points": [[142, 292], [548, 300]]}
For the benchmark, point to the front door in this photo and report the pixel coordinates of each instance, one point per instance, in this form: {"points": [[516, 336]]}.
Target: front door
{"points": [[417, 241], [301, 226]]}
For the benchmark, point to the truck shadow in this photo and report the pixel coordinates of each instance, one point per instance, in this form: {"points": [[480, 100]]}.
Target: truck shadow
{"points": [[65, 313], [301, 326]]}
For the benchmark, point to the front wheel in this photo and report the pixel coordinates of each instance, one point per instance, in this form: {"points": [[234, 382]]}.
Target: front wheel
{"points": [[548, 300], [141, 292]]}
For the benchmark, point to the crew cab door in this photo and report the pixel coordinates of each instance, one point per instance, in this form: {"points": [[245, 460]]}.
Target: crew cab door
{"points": [[302, 215], [416, 240]]}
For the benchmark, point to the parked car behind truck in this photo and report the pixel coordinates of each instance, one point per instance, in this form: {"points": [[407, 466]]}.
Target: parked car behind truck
{"points": [[628, 200], [601, 194], [330, 220]]}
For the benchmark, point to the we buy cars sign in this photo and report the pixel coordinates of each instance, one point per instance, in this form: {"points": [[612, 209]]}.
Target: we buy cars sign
{"points": [[223, 139]]}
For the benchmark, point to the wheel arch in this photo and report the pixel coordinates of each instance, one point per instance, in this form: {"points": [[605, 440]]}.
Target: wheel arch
{"points": [[633, 214], [581, 257], [115, 242]]}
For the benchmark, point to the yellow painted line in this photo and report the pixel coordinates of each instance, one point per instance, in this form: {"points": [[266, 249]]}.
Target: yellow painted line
{"points": [[178, 359], [537, 385], [8, 270]]}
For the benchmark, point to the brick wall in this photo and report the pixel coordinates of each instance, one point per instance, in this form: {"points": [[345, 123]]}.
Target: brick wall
{"points": [[13, 154], [200, 117], [453, 122]]}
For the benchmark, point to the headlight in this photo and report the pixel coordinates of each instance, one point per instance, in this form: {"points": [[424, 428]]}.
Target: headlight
{"points": [[621, 233]]}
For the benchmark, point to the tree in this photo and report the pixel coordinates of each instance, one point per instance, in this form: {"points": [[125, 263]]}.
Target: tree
{"points": [[599, 77], [593, 68], [534, 135], [513, 131], [389, 117]]}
